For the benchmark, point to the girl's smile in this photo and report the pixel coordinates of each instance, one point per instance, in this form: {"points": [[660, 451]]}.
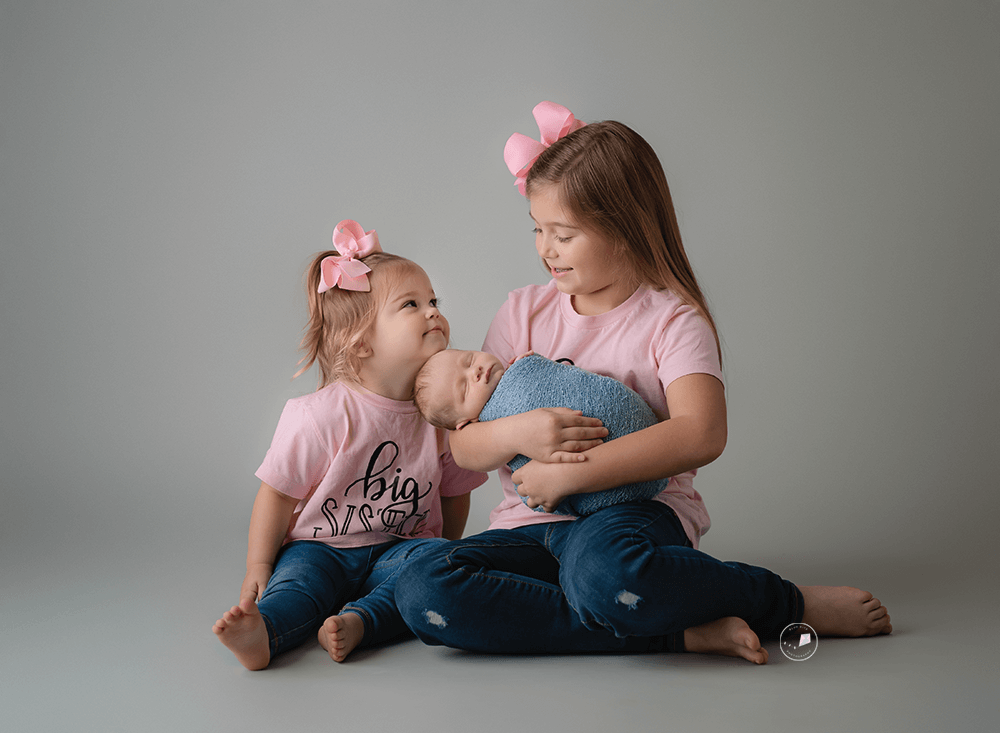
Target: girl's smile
{"points": [[580, 260]]}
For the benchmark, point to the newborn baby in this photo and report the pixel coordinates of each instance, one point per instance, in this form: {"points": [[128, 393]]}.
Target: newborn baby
{"points": [[455, 388]]}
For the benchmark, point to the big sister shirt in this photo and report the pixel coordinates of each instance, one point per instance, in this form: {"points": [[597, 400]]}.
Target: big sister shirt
{"points": [[366, 469]]}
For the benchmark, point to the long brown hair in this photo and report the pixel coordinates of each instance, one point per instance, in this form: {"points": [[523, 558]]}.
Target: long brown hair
{"points": [[611, 181], [340, 320]]}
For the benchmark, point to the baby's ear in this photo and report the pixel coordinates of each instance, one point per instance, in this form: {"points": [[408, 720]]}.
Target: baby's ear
{"points": [[464, 423]]}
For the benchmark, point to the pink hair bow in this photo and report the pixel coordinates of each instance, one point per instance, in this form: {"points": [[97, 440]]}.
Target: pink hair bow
{"points": [[554, 122], [346, 270]]}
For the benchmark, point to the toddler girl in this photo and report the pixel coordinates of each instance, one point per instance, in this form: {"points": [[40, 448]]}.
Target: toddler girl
{"points": [[622, 301], [355, 484]]}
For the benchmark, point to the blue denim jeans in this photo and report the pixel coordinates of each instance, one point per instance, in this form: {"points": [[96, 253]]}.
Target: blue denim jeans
{"points": [[313, 581], [620, 580]]}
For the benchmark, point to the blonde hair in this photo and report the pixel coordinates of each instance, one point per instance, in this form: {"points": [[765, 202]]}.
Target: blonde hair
{"points": [[439, 416], [340, 320], [611, 181]]}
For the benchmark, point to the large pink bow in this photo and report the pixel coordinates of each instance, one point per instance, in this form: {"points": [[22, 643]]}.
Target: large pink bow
{"points": [[346, 270], [554, 122]]}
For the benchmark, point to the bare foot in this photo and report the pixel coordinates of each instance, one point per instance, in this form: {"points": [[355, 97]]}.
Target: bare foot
{"points": [[242, 630], [730, 636], [844, 611], [340, 634]]}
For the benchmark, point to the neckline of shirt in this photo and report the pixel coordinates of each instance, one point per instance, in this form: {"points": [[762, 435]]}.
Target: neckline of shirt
{"points": [[386, 403], [602, 319]]}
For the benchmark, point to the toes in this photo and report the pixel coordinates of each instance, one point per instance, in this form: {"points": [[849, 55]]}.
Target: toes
{"points": [[880, 626], [335, 629], [246, 606], [865, 595]]}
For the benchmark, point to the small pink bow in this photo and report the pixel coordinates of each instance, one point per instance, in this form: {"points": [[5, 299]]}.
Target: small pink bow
{"points": [[554, 122], [346, 270]]}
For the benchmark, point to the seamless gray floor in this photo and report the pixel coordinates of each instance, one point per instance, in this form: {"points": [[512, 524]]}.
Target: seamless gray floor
{"points": [[119, 638]]}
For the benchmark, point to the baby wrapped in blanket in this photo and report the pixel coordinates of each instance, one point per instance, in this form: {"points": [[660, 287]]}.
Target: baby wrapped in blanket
{"points": [[458, 387]]}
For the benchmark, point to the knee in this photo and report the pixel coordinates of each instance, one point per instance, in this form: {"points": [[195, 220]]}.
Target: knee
{"points": [[607, 585], [419, 596]]}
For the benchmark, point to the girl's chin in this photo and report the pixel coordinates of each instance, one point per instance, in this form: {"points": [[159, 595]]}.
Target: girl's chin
{"points": [[563, 285]]}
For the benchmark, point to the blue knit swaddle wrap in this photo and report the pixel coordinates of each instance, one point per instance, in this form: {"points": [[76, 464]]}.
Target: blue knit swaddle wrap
{"points": [[535, 381]]}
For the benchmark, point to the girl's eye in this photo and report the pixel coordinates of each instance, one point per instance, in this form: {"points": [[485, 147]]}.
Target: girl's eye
{"points": [[410, 303], [435, 303], [561, 240]]}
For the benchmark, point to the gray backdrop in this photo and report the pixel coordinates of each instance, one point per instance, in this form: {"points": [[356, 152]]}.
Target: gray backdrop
{"points": [[168, 169]]}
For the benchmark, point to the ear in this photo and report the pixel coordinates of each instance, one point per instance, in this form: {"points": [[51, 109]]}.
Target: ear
{"points": [[363, 351]]}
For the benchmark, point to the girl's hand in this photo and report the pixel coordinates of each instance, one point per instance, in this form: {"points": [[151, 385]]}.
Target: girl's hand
{"points": [[544, 485], [558, 434], [255, 581]]}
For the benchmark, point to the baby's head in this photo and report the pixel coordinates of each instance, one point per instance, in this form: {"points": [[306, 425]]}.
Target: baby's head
{"points": [[454, 386]]}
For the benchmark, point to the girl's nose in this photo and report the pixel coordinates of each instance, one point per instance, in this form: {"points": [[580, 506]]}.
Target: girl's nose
{"points": [[542, 245]]}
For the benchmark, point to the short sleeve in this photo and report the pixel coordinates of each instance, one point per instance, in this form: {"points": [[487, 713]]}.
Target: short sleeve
{"points": [[687, 345], [298, 457], [456, 481]]}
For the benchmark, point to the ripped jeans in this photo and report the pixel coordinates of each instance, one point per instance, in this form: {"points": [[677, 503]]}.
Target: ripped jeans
{"points": [[624, 579], [313, 581]]}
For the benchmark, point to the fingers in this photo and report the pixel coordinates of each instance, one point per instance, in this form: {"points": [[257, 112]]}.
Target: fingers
{"points": [[578, 433], [568, 456], [532, 504], [576, 446], [575, 418]]}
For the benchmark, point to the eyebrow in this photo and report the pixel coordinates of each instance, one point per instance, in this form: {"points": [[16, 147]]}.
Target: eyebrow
{"points": [[554, 223], [410, 295]]}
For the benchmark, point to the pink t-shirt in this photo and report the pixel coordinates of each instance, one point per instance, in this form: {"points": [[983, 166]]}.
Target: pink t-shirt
{"points": [[365, 468], [647, 342]]}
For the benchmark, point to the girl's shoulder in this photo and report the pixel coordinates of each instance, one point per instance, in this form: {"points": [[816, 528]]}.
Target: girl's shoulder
{"points": [[341, 394], [322, 397], [665, 306], [533, 295], [312, 410]]}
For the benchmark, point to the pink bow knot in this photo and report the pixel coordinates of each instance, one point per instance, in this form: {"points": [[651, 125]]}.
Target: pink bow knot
{"points": [[520, 152], [346, 270]]}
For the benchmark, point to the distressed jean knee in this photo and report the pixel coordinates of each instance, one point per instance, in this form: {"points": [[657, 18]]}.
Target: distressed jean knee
{"points": [[417, 598], [618, 604]]}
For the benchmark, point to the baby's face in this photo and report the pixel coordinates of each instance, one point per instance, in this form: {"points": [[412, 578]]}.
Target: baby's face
{"points": [[465, 380]]}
